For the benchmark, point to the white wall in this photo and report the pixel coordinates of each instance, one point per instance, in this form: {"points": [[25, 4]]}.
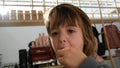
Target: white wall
{"points": [[14, 38]]}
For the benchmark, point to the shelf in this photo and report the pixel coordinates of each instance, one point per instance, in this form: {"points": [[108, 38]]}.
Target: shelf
{"points": [[105, 20], [21, 23], [41, 22]]}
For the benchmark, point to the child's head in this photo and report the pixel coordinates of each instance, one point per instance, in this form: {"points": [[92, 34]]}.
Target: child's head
{"points": [[67, 14]]}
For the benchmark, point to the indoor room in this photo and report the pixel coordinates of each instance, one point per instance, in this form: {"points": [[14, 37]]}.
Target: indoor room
{"points": [[22, 21]]}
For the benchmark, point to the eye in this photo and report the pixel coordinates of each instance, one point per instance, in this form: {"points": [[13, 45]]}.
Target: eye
{"points": [[71, 30], [53, 34]]}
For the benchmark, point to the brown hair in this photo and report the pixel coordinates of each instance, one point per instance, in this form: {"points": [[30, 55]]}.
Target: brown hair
{"points": [[72, 15]]}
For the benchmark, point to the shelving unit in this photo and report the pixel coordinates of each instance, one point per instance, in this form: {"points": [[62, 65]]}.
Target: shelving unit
{"points": [[18, 18]]}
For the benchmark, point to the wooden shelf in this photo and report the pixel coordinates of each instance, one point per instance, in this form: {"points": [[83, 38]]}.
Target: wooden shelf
{"points": [[18, 18], [105, 20], [22, 23], [12, 23]]}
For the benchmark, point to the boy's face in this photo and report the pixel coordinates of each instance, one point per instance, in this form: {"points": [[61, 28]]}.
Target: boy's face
{"points": [[67, 37]]}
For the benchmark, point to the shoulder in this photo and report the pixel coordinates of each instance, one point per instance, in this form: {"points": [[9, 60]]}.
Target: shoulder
{"points": [[92, 63]]}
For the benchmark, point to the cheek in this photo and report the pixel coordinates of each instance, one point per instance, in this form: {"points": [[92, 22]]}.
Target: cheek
{"points": [[55, 44], [77, 43]]}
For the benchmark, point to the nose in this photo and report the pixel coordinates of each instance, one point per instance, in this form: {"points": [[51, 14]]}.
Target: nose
{"points": [[62, 38], [62, 41]]}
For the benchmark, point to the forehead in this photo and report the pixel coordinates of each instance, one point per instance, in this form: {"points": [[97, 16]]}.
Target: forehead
{"points": [[63, 24]]}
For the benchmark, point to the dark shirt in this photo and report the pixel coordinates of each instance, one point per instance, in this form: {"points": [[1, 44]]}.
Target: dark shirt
{"points": [[92, 63]]}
